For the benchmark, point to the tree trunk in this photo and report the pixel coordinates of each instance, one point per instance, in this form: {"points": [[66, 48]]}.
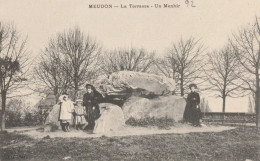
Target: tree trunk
{"points": [[76, 93], [223, 107], [57, 98], [257, 98], [257, 108], [56, 94], [3, 97], [181, 86]]}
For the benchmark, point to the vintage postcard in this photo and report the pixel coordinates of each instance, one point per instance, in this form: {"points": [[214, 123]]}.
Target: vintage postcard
{"points": [[130, 80]]}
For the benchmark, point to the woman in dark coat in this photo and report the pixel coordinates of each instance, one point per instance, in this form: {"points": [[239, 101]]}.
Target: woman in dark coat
{"points": [[90, 101], [192, 111]]}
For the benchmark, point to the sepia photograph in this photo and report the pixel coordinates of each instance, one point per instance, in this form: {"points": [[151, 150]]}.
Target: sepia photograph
{"points": [[141, 80]]}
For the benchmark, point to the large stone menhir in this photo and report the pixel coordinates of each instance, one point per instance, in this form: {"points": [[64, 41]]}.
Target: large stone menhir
{"points": [[126, 83], [52, 122], [111, 119], [164, 106], [142, 95]]}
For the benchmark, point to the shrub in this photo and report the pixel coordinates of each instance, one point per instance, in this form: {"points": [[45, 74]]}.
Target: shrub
{"points": [[13, 119], [19, 113], [161, 123]]}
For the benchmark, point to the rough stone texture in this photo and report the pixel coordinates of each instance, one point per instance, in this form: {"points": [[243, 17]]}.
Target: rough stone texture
{"points": [[163, 106], [123, 82], [52, 123], [111, 119]]}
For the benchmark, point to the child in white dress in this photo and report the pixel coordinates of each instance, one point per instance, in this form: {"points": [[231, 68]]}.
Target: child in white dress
{"points": [[66, 109]]}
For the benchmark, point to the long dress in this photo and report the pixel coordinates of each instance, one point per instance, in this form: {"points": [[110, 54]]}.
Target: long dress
{"points": [[79, 115], [90, 101], [66, 109], [192, 111]]}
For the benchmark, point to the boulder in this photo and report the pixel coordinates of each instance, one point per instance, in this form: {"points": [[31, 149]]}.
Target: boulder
{"points": [[51, 122], [111, 119], [164, 106], [139, 83]]}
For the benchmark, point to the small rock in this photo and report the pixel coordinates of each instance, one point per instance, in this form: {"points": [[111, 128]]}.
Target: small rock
{"points": [[46, 137], [66, 158]]}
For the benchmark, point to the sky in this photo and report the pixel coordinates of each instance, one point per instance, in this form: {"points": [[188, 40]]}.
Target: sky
{"points": [[212, 21]]}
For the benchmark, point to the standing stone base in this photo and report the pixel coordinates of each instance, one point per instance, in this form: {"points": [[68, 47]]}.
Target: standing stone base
{"points": [[171, 107], [52, 124], [111, 119]]}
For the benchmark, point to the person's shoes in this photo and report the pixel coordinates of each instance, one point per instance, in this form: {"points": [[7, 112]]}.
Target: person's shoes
{"points": [[81, 127], [67, 127], [63, 127], [89, 127], [197, 125]]}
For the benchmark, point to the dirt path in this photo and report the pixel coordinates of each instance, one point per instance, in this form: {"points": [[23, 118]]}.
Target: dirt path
{"points": [[126, 131]]}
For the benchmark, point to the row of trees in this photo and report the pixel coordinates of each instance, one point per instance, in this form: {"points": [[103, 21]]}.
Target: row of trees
{"points": [[72, 58]]}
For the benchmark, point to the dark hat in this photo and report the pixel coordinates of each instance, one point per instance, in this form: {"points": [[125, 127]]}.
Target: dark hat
{"points": [[193, 85], [66, 94], [89, 85]]}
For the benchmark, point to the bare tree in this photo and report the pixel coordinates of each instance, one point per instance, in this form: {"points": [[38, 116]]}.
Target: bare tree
{"points": [[70, 60], [13, 62], [126, 59], [81, 57], [221, 74], [50, 74], [246, 44], [167, 67], [183, 63]]}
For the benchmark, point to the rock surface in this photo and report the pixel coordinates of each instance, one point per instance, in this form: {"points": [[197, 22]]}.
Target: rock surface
{"points": [[52, 123], [125, 82], [111, 119], [164, 106]]}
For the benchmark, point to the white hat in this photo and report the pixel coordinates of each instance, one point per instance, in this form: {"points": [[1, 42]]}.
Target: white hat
{"points": [[79, 100], [62, 96]]}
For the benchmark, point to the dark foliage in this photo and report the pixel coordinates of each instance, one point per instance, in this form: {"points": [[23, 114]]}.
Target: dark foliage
{"points": [[161, 123]]}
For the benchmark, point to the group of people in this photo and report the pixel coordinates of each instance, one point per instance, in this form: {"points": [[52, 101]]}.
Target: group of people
{"points": [[80, 113], [87, 111]]}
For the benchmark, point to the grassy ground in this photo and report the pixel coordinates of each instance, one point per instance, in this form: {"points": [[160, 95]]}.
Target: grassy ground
{"points": [[238, 144]]}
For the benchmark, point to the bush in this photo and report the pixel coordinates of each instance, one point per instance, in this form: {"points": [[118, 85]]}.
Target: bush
{"points": [[13, 119], [18, 113], [33, 118], [161, 123]]}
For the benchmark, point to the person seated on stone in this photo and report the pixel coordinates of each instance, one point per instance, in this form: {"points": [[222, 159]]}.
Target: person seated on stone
{"points": [[90, 102], [192, 113], [66, 109], [80, 111]]}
